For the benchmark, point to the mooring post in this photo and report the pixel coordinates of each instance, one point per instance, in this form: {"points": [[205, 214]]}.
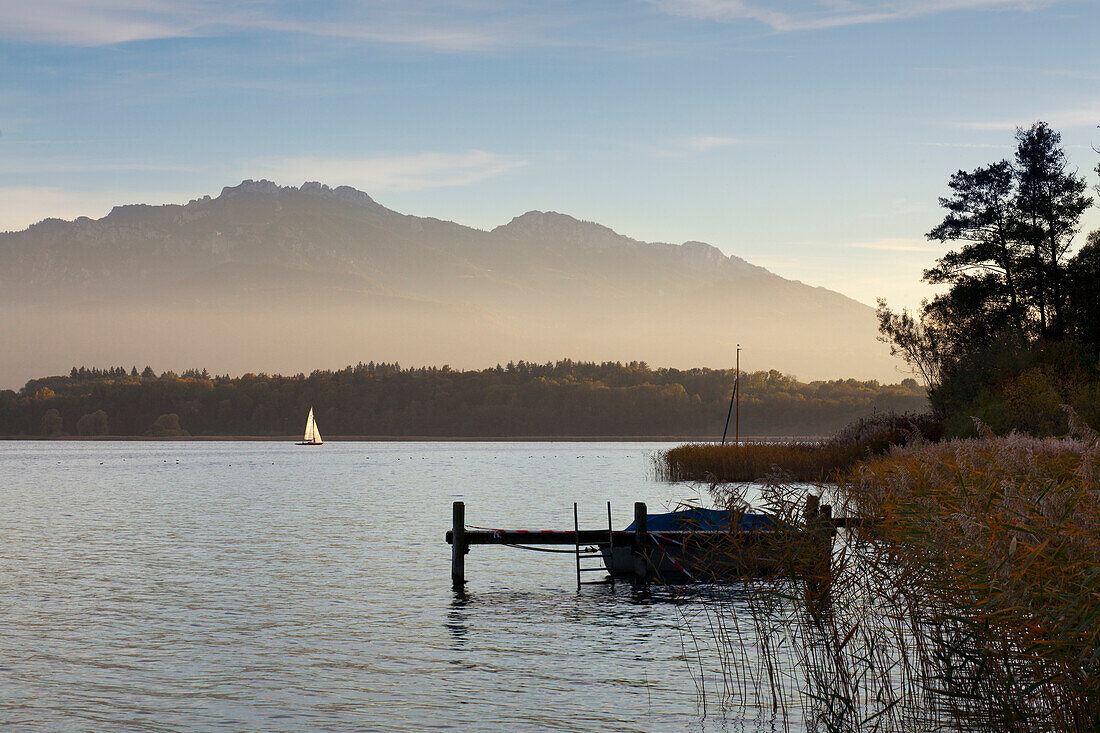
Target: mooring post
{"points": [[458, 543], [812, 531], [820, 530], [813, 502], [610, 547], [641, 544], [820, 525]]}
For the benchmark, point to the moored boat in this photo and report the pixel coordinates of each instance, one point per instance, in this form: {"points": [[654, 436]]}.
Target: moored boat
{"points": [[709, 545]]}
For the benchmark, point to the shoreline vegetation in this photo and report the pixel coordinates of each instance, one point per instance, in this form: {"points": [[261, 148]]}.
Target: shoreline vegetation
{"points": [[968, 598], [520, 400], [820, 461], [1004, 534], [971, 600]]}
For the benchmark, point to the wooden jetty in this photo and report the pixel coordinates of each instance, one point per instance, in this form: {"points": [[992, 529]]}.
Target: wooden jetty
{"points": [[643, 555]]}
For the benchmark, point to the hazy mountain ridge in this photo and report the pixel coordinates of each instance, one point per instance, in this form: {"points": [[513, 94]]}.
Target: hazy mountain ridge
{"points": [[345, 233], [240, 277]]}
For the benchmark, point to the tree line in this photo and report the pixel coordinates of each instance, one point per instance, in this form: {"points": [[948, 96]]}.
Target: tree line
{"points": [[564, 398], [1015, 337]]}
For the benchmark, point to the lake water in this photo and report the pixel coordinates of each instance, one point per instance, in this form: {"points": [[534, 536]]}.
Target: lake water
{"points": [[262, 586]]}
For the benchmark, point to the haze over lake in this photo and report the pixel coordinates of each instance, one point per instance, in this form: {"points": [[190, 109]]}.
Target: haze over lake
{"points": [[268, 278]]}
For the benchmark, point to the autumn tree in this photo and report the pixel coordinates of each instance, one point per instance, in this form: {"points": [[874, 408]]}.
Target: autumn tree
{"points": [[93, 423], [52, 423], [167, 425]]}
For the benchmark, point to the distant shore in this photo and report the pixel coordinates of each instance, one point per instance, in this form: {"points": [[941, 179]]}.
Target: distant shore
{"points": [[423, 438]]}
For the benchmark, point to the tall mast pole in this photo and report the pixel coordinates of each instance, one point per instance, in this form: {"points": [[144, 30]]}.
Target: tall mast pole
{"points": [[734, 396], [737, 394], [729, 414]]}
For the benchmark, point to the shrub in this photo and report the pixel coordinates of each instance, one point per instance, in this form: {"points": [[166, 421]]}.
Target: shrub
{"points": [[94, 423], [166, 426], [52, 423]]}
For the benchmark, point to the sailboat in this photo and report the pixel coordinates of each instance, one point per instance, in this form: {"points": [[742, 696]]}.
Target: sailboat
{"points": [[313, 435]]}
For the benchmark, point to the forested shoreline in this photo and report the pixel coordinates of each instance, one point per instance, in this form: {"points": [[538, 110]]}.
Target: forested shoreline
{"points": [[565, 398]]}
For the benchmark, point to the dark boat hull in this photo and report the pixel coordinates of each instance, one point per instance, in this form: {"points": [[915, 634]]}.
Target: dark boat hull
{"points": [[710, 557], [715, 545]]}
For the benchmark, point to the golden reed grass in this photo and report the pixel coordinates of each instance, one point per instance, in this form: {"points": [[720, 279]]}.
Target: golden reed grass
{"points": [[972, 603], [1003, 535], [713, 463]]}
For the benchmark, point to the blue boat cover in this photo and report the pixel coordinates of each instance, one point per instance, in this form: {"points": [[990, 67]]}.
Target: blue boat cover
{"points": [[697, 519]]}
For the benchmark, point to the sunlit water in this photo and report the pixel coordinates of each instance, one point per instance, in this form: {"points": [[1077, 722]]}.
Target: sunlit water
{"points": [[263, 586]]}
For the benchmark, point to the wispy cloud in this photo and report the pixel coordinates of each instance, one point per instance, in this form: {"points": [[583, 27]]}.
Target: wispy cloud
{"points": [[795, 15], [20, 167], [702, 143], [99, 22], [692, 145], [1085, 116], [978, 146], [391, 172], [439, 37], [440, 25], [896, 245]]}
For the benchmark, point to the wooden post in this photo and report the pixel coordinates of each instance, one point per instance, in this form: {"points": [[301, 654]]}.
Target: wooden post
{"points": [[610, 547], [577, 543], [819, 530], [458, 543], [641, 544], [813, 503], [810, 547]]}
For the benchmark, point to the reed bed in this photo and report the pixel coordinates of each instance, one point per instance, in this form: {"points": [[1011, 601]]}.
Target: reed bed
{"points": [[972, 603], [1002, 536], [807, 655], [713, 463], [821, 461]]}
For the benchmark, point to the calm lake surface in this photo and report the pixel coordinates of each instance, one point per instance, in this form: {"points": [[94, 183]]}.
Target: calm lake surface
{"points": [[263, 586]]}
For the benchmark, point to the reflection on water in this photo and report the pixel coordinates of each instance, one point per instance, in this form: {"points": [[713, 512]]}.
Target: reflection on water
{"points": [[224, 586]]}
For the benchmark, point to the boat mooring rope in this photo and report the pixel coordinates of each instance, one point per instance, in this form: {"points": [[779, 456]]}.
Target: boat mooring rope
{"points": [[538, 549]]}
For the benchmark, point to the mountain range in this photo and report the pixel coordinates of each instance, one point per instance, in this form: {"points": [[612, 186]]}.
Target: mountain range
{"points": [[281, 278]]}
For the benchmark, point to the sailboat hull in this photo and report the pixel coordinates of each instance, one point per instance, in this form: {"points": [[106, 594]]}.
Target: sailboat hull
{"points": [[306, 442]]}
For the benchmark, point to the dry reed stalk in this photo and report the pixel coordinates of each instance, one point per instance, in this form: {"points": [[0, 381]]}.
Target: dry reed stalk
{"points": [[1003, 537], [973, 603], [713, 463]]}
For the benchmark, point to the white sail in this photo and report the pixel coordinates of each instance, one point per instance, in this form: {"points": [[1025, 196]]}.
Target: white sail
{"points": [[312, 435]]}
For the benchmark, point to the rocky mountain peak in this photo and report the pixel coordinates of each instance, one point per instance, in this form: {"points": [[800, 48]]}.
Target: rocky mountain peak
{"points": [[264, 187], [544, 223]]}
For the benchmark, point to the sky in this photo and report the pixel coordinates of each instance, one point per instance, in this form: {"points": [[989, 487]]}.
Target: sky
{"points": [[812, 137]]}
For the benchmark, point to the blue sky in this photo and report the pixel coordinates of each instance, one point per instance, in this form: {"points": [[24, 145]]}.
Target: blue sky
{"points": [[812, 137]]}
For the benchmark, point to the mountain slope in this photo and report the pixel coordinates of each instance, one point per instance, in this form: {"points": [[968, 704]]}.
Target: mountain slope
{"points": [[288, 279]]}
